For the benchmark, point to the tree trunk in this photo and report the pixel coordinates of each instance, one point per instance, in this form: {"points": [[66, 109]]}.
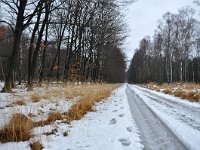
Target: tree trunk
{"points": [[16, 44], [30, 52], [20, 63], [181, 72], [43, 56], [2, 70]]}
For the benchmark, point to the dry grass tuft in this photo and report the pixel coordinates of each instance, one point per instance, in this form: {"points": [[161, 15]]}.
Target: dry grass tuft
{"points": [[71, 91], [178, 93], [167, 91], [53, 116], [92, 94], [194, 96], [35, 98], [18, 129], [78, 110], [36, 145], [19, 102], [190, 86], [67, 92], [45, 96], [191, 96]]}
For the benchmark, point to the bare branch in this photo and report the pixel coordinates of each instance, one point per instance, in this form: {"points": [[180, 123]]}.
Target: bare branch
{"points": [[10, 25]]}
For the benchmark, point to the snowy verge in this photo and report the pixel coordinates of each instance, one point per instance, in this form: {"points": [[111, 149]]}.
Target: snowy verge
{"points": [[110, 127], [172, 98]]}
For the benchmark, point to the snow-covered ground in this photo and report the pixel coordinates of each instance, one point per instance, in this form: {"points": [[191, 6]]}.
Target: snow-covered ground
{"points": [[38, 110], [181, 117], [130, 120], [110, 127]]}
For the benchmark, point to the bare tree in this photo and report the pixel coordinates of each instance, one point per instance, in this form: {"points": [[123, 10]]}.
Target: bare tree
{"points": [[18, 10]]}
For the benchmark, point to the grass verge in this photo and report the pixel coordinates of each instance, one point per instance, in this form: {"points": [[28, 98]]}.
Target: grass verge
{"points": [[20, 126], [188, 91], [90, 95]]}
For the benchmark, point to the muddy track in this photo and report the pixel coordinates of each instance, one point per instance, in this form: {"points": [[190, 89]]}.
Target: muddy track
{"points": [[154, 133]]}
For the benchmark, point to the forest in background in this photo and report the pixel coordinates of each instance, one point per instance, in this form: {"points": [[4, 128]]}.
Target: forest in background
{"points": [[172, 54], [61, 40]]}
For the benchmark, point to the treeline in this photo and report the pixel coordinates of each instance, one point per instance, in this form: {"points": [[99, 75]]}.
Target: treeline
{"points": [[172, 54], [70, 40]]}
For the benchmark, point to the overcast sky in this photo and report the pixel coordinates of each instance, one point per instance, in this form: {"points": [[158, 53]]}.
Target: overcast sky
{"points": [[142, 17]]}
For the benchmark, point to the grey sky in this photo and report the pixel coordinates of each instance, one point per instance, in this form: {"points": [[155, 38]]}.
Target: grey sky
{"points": [[142, 19]]}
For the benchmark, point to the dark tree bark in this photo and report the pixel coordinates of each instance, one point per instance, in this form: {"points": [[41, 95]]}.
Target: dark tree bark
{"points": [[9, 82]]}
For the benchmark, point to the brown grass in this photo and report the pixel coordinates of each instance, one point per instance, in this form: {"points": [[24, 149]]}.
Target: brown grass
{"points": [[79, 110], [91, 96], [190, 86], [151, 86], [53, 116], [178, 93], [18, 129], [67, 92], [182, 90], [167, 91], [45, 96], [191, 96], [36, 145], [72, 91], [35, 98], [19, 102]]}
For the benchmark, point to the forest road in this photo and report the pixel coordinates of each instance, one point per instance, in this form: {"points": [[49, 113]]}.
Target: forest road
{"points": [[155, 134]]}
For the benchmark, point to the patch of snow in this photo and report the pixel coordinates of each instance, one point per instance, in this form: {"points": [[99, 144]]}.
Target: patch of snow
{"points": [[39, 109], [110, 127], [15, 146]]}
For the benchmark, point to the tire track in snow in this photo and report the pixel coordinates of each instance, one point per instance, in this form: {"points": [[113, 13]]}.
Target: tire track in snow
{"points": [[155, 134], [189, 109], [187, 114]]}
